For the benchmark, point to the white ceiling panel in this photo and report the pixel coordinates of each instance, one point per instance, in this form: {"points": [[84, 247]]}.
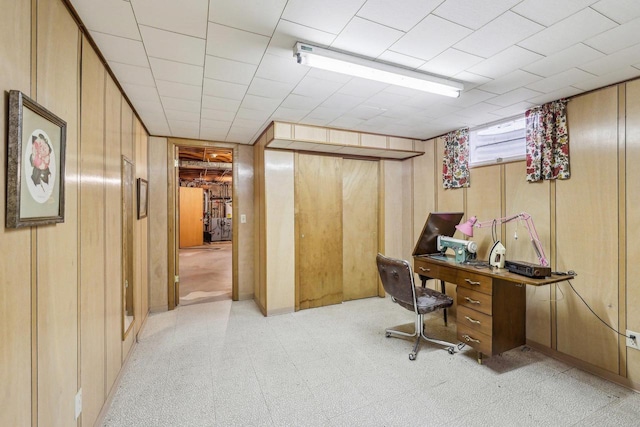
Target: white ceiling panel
{"points": [[288, 33], [385, 100], [564, 60], [172, 46], [501, 33], [260, 103], [450, 62], [285, 114], [513, 97], [224, 89], [270, 88], [400, 14], [212, 134], [281, 69], [238, 45], [513, 110], [362, 88], [179, 90], [180, 104], [346, 122], [132, 74], [141, 93], [183, 17], [301, 102], [151, 108], [471, 97], [323, 113], [120, 49], [574, 29], [256, 16], [548, 12], [342, 102], [186, 116], [176, 71], [616, 76], [509, 82], [472, 13], [620, 11], [401, 59], [252, 115], [504, 62], [364, 112], [113, 17], [560, 80], [228, 70], [617, 38], [366, 38], [224, 104], [219, 125], [316, 88], [217, 115], [552, 96], [471, 80], [328, 15], [430, 37], [609, 64], [328, 75]]}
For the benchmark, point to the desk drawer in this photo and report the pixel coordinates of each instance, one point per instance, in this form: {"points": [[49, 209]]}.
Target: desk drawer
{"points": [[433, 271], [476, 282], [474, 300], [475, 339], [475, 320]]}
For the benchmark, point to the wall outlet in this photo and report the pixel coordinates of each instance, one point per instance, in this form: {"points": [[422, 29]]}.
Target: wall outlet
{"points": [[633, 343], [78, 403], [243, 218]]}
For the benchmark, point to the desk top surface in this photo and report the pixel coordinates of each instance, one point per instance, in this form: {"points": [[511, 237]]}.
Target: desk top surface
{"points": [[485, 270]]}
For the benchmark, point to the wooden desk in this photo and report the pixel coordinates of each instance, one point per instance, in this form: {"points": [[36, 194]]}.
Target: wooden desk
{"points": [[491, 303]]}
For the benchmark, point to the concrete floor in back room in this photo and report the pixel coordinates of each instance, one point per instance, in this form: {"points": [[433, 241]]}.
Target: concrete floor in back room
{"points": [[205, 273]]}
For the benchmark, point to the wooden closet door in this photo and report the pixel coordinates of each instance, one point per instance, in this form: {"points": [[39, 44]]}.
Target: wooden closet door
{"points": [[318, 199], [191, 211], [359, 228]]}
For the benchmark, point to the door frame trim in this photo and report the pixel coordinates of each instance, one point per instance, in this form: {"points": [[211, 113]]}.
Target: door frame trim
{"points": [[172, 215]]}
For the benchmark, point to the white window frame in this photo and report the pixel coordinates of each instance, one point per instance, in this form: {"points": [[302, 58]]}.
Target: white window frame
{"points": [[503, 150]]}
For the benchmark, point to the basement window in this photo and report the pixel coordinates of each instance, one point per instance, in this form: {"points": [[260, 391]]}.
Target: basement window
{"points": [[498, 142]]}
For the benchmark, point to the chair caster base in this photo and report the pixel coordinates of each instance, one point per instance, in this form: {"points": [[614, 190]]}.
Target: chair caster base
{"points": [[412, 356], [451, 350]]}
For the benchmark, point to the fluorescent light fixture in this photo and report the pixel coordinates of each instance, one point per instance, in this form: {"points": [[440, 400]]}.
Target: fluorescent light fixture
{"points": [[338, 62]]}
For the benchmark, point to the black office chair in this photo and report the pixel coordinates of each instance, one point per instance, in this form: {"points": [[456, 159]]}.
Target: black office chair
{"points": [[398, 282]]}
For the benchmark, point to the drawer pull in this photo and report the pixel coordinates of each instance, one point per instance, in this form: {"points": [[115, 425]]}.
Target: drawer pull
{"points": [[477, 322], [425, 269], [467, 338], [472, 301], [471, 282]]}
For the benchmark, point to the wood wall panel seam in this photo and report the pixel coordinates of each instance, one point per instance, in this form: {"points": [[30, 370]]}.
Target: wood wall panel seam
{"points": [[622, 221]]}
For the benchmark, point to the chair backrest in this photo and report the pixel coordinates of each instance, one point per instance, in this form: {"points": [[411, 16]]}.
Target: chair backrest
{"points": [[397, 278]]}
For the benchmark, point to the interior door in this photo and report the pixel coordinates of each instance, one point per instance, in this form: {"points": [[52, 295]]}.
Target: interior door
{"points": [[318, 188], [359, 228], [191, 211], [128, 203]]}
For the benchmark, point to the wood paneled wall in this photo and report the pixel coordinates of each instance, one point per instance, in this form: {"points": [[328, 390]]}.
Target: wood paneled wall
{"points": [[60, 314]]}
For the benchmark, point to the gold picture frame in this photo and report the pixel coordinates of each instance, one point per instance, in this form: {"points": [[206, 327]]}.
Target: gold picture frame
{"points": [[35, 164]]}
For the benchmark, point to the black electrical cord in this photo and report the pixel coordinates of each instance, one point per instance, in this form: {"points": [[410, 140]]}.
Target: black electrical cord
{"points": [[632, 337]]}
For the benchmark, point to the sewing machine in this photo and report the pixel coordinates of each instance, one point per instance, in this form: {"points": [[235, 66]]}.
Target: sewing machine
{"points": [[464, 250]]}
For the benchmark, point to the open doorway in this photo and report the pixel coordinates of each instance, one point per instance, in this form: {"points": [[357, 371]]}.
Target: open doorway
{"points": [[204, 261]]}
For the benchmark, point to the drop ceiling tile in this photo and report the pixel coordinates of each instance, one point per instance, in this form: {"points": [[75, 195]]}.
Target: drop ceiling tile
{"points": [[342, 102], [224, 104], [260, 17], [362, 88], [184, 17], [385, 100], [328, 15], [185, 116], [234, 44], [316, 88], [513, 97], [553, 96], [617, 38], [269, 88], [329, 75], [228, 70], [176, 71], [364, 112], [508, 60], [498, 35], [179, 90], [172, 46], [560, 80], [548, 12], [224, 89], [471, 80], [480, 108], [401, 112], [252, 115], [619, 75], [583, 25], [148, 107], [247, 124], [113, 17], [402, 17], [132, 74], [345, 122], [158, 127], [288, 33], [141, 93], [469, 98], [241, 136], [180, 105], [450, 62], [218, 115], [213, 134], [609, 64], [281, 69], [620, 11], [219, 125], [289, 114], [316, 121], [509, 82], [516, 109], [472, 13], [441, 34], [260, 103], [120, 49], [301, 102], [366, 38], [561, 61]]}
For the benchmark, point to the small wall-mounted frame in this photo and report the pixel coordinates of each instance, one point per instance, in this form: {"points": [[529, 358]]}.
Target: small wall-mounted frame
{"points": [[143, 199], [35, 164]]}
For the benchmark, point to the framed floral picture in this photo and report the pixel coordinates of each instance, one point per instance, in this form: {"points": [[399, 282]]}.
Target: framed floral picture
{"points": [[35, 164]]}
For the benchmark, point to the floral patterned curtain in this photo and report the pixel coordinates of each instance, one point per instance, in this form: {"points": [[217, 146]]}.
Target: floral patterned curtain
{"points": [[547, 141], [455, 165]]}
